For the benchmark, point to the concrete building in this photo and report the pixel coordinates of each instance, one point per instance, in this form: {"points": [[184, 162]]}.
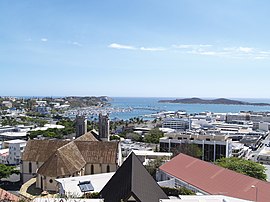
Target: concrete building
{"points": [[7, 104], [177, 123], [263, 126], [212, 146], [69, 187], [4, 156], [230, 117], [264, 156], [16, 147], [147, 156], [239, 150], [104, 127], [81, 125]]}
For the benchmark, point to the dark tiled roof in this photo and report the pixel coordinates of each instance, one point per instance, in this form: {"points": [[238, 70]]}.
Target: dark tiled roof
{"points": [[98, 152], [41, 150], [89, 136], [64, 162], [132, 179], [213, 179], [63, 158]]}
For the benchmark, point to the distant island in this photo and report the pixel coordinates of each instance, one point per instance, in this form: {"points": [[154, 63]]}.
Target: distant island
{"points": [[223, 101]]}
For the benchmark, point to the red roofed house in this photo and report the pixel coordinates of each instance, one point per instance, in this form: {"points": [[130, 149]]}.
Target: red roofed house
{"points": [[207, 178], [7, 196]]}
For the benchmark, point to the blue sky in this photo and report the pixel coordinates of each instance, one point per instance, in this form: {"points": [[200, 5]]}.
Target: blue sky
{"points": [[173, 48]]}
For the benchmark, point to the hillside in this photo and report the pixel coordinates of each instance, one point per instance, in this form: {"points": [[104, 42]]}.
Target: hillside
{"points": [[223, 101]]}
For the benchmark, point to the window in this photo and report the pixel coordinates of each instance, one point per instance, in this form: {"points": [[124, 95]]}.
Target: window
{"points": [[92, 169], [108, 168], [30, 167], [51, 181]]}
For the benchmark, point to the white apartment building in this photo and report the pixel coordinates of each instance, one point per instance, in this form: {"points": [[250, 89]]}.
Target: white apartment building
{"points": [[11, 154], [212, 146], [177, 123], [230, 117]]}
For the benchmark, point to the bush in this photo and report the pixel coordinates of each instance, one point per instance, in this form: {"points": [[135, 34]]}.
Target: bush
{"points": [[177, 191], [114, 137], [153, 136], [91, 195]]}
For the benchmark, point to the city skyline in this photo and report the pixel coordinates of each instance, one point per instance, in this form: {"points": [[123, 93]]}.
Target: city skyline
{"points": [[135, 49]]}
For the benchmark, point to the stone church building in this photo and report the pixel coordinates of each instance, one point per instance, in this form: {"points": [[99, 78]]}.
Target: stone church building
{"points": [[47, 160]]}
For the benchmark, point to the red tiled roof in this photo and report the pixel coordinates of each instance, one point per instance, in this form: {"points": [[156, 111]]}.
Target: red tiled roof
{"points": [[4, 195], [216, 180]]}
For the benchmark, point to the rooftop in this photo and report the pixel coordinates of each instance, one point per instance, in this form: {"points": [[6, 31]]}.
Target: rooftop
{"points": [[70, 185], [213, 179], [15, 141]]}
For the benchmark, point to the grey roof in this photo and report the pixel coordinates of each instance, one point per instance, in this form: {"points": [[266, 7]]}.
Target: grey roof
{"points": [[132, 179], [96, 152], [67, 160], [64, 158], [89, 136], [41, 150]]}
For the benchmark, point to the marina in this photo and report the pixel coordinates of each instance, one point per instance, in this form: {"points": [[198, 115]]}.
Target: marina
{"points": [[121, 108]]}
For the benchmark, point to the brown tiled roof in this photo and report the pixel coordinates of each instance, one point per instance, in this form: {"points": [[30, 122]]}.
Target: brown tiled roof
{"points": [[132, 179], [216, 180], [41, 150], [7, 196], [89, 136], [64, 162], [98, 152]]}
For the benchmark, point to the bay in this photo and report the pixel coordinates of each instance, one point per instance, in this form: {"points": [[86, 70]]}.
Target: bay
{"points": [[145, 105]]}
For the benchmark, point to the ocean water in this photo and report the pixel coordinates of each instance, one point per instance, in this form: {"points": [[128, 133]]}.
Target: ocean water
{"points": [[144, 106]]}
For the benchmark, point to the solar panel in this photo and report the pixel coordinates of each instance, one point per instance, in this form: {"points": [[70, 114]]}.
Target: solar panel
{"points": [[86, 186]]}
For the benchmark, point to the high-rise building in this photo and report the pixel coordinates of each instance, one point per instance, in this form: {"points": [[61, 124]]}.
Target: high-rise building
{"points": [[104, 127], [81, 125]]}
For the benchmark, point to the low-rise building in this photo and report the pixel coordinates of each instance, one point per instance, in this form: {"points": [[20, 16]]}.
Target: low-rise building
{"points": [[264, 156], [4, 156], [73, 187], [145, 156], [177, 123], [212, 147], [239, 150], [209, 179]]}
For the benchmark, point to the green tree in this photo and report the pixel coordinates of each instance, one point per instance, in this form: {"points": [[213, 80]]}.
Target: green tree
{"points": [[153, 136], [188, 149], [243, 166], [134, 137], [6, 171], [177, 191], [153, 165], [91, 195], [114, 137]]}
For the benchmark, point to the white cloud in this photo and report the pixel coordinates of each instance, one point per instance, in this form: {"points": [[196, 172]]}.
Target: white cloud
{"points": [[152, 49], [75, 43], [121, 46], [191, 46], [245, 49], [44, 39], [238, 52], [209, 53]]}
